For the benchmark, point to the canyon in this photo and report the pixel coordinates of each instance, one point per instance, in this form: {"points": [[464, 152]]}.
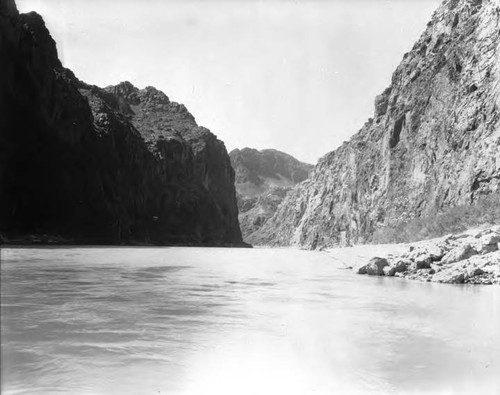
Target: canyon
{"points": [[262, 180]]}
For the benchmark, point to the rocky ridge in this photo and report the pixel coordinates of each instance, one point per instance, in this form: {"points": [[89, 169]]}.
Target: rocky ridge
{"points": [[471, 257], [433, 142], [263, 178], [88, 165]]}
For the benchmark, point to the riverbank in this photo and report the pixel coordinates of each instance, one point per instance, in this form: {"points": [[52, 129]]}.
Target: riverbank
{"points": [[471, 257], [48, 240]]}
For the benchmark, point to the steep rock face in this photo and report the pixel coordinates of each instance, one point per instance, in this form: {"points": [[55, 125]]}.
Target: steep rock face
{"points": [[257, 171], [434, 140], [263, 179], [114, 165]]}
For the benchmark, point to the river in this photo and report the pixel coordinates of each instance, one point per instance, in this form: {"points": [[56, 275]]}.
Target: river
{"points": [[236, 321]]}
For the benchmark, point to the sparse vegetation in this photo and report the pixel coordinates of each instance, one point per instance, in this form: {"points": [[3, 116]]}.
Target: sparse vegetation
{"points": [[486, 211]]}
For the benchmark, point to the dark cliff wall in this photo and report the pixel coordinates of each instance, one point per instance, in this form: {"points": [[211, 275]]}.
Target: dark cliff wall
{"points": [[114, 165], [263, 179], [434, 140]]}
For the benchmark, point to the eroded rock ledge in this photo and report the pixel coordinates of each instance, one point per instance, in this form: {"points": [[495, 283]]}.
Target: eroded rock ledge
{"points": [[471, 257]]}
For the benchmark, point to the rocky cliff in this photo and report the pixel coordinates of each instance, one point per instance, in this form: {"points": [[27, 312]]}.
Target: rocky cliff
{"points": [[114, 165], [433, 142], [263, 178]]}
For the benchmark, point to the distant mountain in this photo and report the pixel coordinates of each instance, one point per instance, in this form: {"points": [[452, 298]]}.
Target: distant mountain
{"points": [[432, 144], [82, 164], [262, 180]]}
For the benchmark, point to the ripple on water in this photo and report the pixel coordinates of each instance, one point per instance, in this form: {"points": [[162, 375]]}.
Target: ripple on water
{"points": [[107, 321]]}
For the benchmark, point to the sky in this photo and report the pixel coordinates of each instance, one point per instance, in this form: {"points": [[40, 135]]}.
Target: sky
{"points": [[295, 75]]}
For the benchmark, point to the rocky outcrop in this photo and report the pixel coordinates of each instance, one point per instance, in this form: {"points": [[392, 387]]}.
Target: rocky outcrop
{"points": [[263, 178], [375, 267], [115, 165], [433, 142], [470, 257]]}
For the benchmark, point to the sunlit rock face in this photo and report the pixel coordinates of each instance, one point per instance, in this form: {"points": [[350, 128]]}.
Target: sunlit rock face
{"points": [[114, 165], [262, 179], [433, 142]]}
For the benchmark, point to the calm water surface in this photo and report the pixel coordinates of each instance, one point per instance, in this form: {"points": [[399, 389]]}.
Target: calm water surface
{"points": [[236, 321]]}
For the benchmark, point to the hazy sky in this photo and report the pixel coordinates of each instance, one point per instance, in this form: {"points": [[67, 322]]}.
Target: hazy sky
{"points": [[298, 76]]}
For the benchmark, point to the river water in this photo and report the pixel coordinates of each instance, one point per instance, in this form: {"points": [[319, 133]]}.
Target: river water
{"points": [[236, 321]]}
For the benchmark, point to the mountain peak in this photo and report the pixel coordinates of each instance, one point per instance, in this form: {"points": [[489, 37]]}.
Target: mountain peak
{"points": [[136, 96], [150, 93]]}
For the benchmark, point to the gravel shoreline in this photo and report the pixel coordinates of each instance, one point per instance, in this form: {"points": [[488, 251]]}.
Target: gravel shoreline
{"points": [[471, 257]]}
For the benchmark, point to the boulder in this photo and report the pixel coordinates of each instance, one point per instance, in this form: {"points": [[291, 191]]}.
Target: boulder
{"points": [[459, 253], [488, 243], [428, 252], [359, 269], [436, 267], [397, 266], [422, 274], [421, 264], [450, 276], [487, 262], [486, 248], [492, 238], [401, 266], [474, 271], [435, 253], [375, 266], [389, 271], [494, 270]]}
